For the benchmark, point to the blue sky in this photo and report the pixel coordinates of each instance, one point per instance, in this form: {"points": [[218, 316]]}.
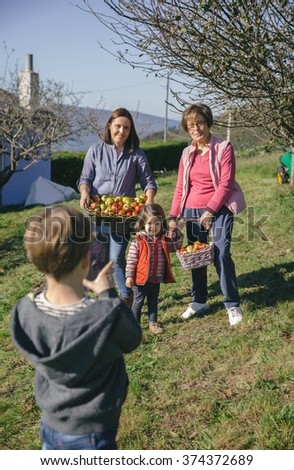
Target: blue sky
{"points": [[64, 44]]}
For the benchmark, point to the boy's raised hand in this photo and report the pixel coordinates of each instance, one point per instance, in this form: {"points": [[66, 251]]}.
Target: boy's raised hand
{"points": [[103, 281]]}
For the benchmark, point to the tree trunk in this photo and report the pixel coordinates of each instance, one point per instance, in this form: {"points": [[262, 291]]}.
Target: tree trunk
{"points": [[5, 176]]}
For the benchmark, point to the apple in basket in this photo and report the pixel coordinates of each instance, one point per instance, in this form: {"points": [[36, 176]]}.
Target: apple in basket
{"points": [[195, 247], [199, 246]]}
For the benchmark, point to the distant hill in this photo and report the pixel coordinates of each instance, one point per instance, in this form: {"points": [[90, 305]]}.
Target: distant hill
{"points": [[151, 127], [146, 124]]}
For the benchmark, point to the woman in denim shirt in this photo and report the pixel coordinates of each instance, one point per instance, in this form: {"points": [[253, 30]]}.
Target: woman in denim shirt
{"points": [[114, 166]]}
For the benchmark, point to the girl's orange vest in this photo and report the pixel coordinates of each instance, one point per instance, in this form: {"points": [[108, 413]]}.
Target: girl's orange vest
{"points": [[142, 270]]}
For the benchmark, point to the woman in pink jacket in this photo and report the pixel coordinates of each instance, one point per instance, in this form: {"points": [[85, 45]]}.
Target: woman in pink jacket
{"points": [[207, 191]]}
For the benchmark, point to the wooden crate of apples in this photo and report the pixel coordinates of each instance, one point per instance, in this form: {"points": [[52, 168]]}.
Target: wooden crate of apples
{"points": [[117, 206]]}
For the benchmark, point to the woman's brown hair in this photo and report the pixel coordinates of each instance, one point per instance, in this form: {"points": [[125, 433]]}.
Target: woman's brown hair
{"points": [[198, 108], [132, 141]]}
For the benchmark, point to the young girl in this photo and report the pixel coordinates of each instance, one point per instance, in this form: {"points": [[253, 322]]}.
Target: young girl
{"points": [[148, 262]]}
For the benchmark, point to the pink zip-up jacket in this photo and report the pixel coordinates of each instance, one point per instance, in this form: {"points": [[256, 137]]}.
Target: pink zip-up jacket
{"points": [[233, 198]]}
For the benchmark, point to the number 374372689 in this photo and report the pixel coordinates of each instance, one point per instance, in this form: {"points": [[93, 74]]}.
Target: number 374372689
{"points": [[217, 459]]}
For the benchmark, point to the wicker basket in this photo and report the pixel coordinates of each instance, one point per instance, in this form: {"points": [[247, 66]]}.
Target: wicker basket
{"points": [[196, 259]]}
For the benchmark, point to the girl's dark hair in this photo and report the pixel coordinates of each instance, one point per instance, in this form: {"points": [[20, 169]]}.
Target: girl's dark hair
{"points": [[198, 108], [151, 210], [132, 141]]}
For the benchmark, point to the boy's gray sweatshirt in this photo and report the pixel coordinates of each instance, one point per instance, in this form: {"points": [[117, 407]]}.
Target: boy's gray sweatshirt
{"points": [[81, 380]]}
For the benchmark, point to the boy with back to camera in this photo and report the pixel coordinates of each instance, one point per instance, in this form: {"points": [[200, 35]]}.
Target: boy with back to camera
{"points": [[74, 342]]}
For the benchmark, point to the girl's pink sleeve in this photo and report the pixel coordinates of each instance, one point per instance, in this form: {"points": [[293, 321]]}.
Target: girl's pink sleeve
{"points": [[226, 183], [175, 207], [132, 259]]}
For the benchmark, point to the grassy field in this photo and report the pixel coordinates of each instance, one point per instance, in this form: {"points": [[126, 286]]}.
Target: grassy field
{"points": [[202, 384]]}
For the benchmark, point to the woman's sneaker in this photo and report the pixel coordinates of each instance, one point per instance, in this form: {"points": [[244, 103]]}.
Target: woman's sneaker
{"points": [[194, 307], [155, 327], [235, 315]]}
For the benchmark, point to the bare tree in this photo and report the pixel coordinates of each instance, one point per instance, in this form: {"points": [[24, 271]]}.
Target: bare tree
{"points": [[28, 132], [236, 55]]}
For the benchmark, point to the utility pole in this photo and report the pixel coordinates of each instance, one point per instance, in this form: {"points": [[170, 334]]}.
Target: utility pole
{"points": [[229, 126], [166, 109]]}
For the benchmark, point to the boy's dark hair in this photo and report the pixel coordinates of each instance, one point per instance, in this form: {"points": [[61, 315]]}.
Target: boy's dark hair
{"points": [[198, 108], [132, 141], [56, 239], [151, 210]]}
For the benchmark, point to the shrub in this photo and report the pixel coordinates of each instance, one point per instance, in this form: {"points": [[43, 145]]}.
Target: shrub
{"points": [[164, 157], [66, 167]]}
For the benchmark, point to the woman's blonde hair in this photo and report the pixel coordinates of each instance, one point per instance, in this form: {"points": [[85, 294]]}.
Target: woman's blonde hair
{"points": [[56, 239]]}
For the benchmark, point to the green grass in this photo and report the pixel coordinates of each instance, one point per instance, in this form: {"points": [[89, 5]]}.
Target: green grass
{"points": [[202, 384]]}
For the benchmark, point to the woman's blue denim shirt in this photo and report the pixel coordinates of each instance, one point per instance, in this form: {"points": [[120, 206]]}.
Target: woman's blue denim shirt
{"points": [[105, 173]]}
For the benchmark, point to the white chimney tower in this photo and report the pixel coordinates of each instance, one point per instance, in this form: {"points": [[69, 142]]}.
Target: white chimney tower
{"points": [[29, 85]]}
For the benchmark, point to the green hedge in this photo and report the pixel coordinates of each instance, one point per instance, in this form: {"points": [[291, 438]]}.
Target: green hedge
{"points": [[66, 167], [164, 157]]}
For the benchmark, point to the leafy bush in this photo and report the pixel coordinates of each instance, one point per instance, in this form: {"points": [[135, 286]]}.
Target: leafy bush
{"points": [[164, 156], [249, 152], [66, 167]]}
